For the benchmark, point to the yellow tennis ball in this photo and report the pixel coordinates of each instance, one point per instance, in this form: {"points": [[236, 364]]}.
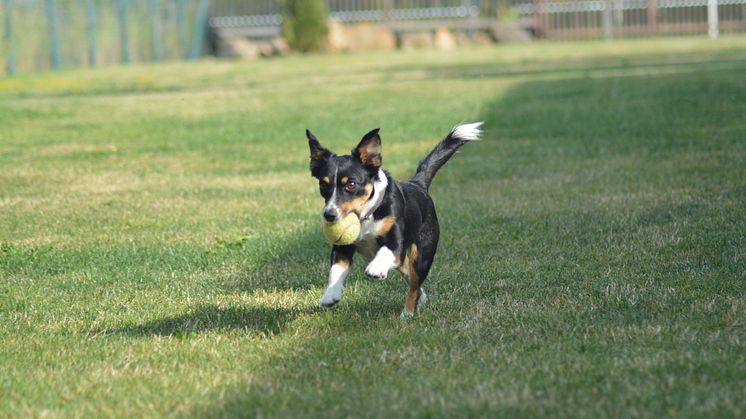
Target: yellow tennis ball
{"points": [[344, 231]]}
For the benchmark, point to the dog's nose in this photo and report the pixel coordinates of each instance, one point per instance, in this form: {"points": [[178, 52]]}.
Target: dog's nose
{"points": [[330, 214]]}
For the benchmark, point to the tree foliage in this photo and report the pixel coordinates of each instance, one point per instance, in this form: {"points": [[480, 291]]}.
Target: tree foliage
{"points": [[304, 24]]}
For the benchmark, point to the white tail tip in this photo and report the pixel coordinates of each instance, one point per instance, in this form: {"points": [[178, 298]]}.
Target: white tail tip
{"points": [[468, 132]]}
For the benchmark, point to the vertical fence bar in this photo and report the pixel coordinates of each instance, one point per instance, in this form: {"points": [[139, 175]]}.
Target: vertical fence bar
{"points": [[712, 19], [608, 31], [388, 12], [157, 41], [123, 32], [199, 30], [9, 41], [54, 40], [618, 18], [181, 27], [90, 11], [652, 17], [541, 20]]}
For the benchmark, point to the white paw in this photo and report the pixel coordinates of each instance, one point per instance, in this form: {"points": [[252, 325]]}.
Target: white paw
{"points": [[423, 298], [406, 314], [376, 269], [379, 267], [331, 297]]}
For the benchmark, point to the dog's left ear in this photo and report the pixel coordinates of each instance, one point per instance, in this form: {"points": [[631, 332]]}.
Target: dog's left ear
{"points": [[319, 154], [368, 152]]}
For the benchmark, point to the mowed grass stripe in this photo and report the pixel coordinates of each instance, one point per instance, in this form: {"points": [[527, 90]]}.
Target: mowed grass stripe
{"points": [[160, 247]]}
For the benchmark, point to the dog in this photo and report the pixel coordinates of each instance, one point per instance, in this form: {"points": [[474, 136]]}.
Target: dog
{"points": [[399, 227]]}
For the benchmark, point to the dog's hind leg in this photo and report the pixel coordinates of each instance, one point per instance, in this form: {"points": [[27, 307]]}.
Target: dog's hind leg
{"points": [[416, 267]]}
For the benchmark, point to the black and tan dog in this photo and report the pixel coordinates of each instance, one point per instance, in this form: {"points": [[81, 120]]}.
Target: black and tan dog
{"points": [[399, 228]]}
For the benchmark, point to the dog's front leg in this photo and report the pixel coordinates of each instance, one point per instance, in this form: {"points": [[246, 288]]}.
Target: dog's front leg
{"points": [[341, 261], [381, 264]]}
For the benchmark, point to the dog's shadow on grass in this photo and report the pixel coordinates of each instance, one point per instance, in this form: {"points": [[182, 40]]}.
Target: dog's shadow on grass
{"points": [[295, 264], [205, 317], [247, 318]]}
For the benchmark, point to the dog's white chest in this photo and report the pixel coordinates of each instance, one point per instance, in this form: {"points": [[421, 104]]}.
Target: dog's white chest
{"points": [[366, 242]]}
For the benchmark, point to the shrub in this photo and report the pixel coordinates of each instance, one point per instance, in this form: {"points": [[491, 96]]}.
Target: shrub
{"points": [[304, 24]]}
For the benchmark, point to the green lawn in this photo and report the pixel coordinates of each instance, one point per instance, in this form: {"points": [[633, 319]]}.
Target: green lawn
{"points": [[161, 252]]}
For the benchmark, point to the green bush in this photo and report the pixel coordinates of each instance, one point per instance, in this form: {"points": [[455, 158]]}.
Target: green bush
{"points": [[304, 23]]}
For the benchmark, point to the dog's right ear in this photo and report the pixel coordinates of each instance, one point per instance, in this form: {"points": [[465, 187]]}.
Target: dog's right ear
{"points": [[368, 152], [319, 154]]}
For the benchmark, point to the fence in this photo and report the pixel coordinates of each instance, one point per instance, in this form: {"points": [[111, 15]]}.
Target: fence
{"points": [[548, 19], [50, 34], [624, 18], [44, 34]]}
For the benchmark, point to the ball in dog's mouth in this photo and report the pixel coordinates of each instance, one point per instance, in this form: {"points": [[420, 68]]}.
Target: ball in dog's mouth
{"points": [[344, 231]]}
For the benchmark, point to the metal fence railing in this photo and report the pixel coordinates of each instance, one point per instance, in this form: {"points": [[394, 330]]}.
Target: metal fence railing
{"points": [[624, 18], [573, 19], [48, 34], [44, 34]]}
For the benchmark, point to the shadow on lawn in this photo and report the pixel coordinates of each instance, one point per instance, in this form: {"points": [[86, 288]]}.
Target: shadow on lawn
{"points": [[247, 318], [284, 269], [297, 262], [204, 317], [573, 123], [654, 65], [526, 121]]}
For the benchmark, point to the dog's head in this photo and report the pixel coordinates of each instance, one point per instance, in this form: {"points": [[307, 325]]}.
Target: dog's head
{"points": [[345, 182]]}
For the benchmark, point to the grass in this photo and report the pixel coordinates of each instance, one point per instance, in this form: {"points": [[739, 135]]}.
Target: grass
{"points": [[160, 251]]}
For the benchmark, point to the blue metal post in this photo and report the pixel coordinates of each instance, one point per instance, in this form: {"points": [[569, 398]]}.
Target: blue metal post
{"points": [[54, 39], [200, 27], [181, 28], [9, 41], [123, 34], [90, 10], [157, 45]]}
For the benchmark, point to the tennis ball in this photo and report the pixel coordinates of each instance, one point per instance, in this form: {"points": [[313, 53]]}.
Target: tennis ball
{"points": [[344, 231]]}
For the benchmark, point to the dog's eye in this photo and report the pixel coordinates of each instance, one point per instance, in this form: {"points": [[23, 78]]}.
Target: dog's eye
{"points": [[351, 185]]}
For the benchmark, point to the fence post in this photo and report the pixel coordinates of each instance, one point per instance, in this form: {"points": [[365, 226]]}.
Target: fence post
{"points": [[388, 12], [712, 19], [157, 46], [541, 21], [608, 31], [181, 28], [123, 35], [470, 17], [54, 39], [90, 11], [9, 41], [199, 30], [652, 17]]}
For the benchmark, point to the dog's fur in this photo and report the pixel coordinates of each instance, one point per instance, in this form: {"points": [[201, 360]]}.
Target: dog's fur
{"points": [[399, 228]]}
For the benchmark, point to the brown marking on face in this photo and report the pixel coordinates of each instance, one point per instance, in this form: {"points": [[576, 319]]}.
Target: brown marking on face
{"points": [[356, 205], [326, 180], [344, 180]]}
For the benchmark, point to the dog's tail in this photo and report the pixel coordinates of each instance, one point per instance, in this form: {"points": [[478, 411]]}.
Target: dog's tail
{"points": [[429, 166]]}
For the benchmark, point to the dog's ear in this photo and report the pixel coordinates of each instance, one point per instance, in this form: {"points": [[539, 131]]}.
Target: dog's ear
{"points": [[368, 152], [319, 154]]}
